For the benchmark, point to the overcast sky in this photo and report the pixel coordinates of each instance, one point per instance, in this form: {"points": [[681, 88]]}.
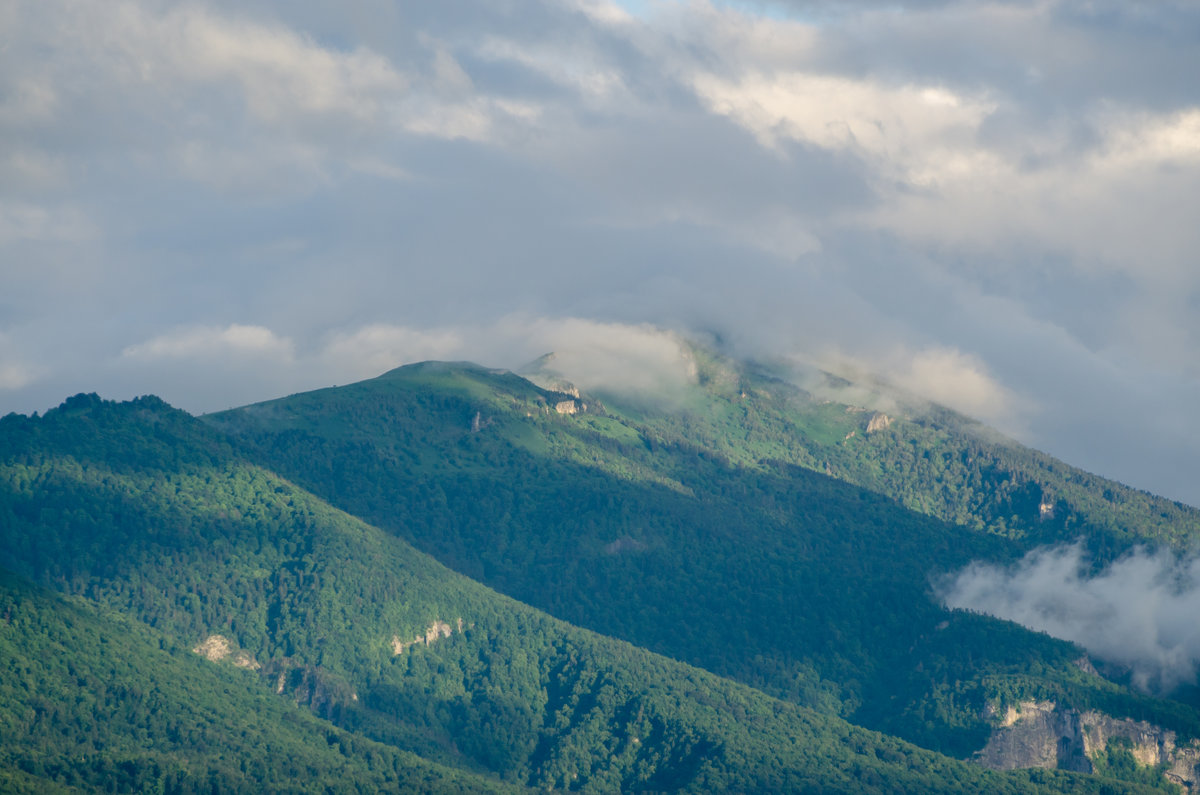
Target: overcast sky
{"points": [[996, 205]]}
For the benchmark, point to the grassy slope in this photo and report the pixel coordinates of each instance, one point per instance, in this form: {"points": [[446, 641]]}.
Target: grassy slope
{"points": [[144, 511], [698, 533]]}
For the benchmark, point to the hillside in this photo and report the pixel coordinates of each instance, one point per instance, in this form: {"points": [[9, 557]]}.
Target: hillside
{"points": [[163, 539], [701, 531], [93, 702], [926, 457]]}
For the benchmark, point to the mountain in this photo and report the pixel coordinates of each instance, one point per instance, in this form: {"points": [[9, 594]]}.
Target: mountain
{"points": [[747, 526], [176, 616], [454, 577]]}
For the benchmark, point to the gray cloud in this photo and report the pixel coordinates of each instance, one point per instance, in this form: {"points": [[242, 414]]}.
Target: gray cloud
{"points": [[988, 203], [1139, 612]]}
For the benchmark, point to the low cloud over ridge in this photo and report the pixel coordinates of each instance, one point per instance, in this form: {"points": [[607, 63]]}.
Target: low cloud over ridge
{"points": [[1139, 612], [796, 177]]}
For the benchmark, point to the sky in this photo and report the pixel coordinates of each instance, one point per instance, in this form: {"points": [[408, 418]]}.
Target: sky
{"points": [[992, 205]]}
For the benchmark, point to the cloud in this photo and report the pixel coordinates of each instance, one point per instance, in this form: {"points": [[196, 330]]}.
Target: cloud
{"points": [[1139, 612], [374, 349], [214, 367], [225, 98], [14, 372], [235, 340], [912, 132], [893, 377], [638, 360], [990, 203], [960, 381]]}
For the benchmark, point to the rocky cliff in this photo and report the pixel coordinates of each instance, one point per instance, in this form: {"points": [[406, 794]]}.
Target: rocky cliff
{"points": [[1042, 734]]}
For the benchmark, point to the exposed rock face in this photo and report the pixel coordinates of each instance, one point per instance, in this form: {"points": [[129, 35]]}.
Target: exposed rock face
{"points": [[878, 422], [215, 648], [1035, 734], [1040, 734], [436, 630], [570, 407]]}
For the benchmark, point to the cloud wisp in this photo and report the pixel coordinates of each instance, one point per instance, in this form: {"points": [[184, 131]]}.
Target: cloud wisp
{"points": [[1139, 612], [632, 360]]}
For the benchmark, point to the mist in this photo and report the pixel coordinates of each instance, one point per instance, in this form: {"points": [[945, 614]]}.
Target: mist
{"points": [[1139, 612]]}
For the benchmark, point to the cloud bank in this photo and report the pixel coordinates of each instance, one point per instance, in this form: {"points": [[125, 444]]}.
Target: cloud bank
{"points": [[1139, 612], [988, 203]]}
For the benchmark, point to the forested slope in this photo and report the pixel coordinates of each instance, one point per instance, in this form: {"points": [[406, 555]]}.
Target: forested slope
{"points": [[928, 458], [91, 702], [140, 511], [707, 543]]}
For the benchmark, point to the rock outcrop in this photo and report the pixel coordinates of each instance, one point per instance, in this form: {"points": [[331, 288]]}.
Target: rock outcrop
{"points": [[568, 407], [215, 648], [435, 631], [1041, 734], [878, 422]]}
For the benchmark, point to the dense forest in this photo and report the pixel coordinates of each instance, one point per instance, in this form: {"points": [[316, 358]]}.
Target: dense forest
{"points": [[398, 585], [621, 520]]}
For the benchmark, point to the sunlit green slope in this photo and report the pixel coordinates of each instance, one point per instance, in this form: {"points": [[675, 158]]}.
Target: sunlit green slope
{"points": [[926, 457]]}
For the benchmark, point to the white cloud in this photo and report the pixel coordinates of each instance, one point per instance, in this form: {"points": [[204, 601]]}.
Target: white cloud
{"points": [[913, 132], [1117, 206], [952, 378], [1139, 612], [615, 357], [231, 100], [938, 374], [604, 12], [374, 349], [638, 360], [215, 343], [281, 73], [1146, 139]]}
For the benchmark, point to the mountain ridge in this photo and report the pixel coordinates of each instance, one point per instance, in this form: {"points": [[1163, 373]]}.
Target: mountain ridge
{"points": [[232, 560], [737, 555], [579, 464]]}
